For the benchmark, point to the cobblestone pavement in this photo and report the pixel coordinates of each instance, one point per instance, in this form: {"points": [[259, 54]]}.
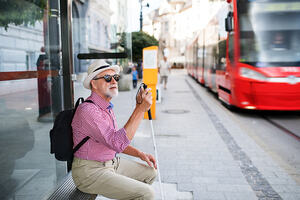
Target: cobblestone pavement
{"points": [[201, 149]]}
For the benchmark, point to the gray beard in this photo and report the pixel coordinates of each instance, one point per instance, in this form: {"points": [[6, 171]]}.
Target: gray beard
{"points": [[112, 94]]}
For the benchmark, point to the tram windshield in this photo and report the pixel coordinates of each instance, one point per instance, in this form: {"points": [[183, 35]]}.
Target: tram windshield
{"points": [[269, 32]]}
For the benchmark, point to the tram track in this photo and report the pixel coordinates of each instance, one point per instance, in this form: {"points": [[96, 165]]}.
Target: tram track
{"points": [[282, 127]]}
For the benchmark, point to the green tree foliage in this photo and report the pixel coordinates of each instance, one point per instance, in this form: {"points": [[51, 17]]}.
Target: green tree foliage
{"points": [[21, 12], [141, 40]]}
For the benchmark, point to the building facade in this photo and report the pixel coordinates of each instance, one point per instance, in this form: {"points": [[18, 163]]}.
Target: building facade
{"points": [[176, 22]]}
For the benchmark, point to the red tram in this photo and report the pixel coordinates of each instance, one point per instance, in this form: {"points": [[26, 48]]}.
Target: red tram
{"points": [[249, 54]]}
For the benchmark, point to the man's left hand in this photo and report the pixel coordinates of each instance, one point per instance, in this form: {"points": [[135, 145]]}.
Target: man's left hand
{"points": [[148, 158]]}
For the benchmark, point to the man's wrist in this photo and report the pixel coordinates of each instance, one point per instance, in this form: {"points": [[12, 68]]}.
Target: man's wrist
{"points": [[140, 153], [139, 108]]}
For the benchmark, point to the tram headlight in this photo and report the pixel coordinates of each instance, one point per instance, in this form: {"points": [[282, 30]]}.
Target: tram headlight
{"points": [[249, 73]]}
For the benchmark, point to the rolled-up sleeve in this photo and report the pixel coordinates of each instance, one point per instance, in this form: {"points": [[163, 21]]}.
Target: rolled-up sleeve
{"points": [[102, 130], [118, 140]]}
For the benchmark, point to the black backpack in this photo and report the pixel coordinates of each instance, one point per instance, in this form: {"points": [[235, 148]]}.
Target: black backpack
{"points": [[61, 135]]}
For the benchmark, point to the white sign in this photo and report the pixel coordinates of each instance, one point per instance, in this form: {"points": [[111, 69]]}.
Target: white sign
{"points": [[150, 59]]}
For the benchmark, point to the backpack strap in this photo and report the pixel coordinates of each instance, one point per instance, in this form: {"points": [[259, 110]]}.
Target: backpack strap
{"points": [[81, 143], [79, 101], [89, 101], [84, 140]]}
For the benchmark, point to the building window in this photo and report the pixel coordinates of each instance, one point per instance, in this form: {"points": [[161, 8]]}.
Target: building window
{"points": [[106, 37], [166, 26], [89, 27], [98, 37], [30, 61]]}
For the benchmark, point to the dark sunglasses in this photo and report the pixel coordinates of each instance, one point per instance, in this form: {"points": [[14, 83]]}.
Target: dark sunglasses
{"points": [[108, 78]]}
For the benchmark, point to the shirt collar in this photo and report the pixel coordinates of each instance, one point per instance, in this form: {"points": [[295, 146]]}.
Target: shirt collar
{"points": [[100, 101], [111, 106]]}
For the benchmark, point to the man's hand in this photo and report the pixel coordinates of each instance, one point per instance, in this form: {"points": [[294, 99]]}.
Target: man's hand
{"points": [[143, 104], [144, 99], [148, 158]]}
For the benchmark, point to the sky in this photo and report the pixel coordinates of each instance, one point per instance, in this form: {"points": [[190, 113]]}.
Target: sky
{"points": [[134, 12]]}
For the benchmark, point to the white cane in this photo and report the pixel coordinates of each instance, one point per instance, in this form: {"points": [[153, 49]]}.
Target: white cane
{"points": [[155, 150]]}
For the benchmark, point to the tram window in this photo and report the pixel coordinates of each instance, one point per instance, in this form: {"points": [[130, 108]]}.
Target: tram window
{"points": [[215, 54], [231, 47], [279, 41], [222, 55]]}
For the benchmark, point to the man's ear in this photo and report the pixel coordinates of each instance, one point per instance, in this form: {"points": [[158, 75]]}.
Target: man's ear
{"points": [[93, 85]]}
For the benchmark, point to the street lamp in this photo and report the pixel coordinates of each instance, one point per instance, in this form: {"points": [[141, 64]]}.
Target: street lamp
{"points": [[141, 14]]}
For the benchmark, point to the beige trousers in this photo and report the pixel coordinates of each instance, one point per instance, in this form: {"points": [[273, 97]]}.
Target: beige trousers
{"points": [[116, 179]]}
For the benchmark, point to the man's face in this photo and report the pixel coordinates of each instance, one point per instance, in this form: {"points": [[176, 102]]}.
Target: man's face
{"points": [[105, 89]]}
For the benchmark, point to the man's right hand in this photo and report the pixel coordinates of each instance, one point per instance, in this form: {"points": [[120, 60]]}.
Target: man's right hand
{"points": [[144, 102], [145, 99]]}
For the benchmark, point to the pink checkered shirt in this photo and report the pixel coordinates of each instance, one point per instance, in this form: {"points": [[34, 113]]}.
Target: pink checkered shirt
{"points": [[98, 121]]}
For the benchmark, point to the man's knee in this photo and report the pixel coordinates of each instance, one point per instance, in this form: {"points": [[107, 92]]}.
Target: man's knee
{"points": [[151, 175]]}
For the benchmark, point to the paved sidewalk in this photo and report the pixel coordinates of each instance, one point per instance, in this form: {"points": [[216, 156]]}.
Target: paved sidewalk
{"points": [[202, 153]]}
